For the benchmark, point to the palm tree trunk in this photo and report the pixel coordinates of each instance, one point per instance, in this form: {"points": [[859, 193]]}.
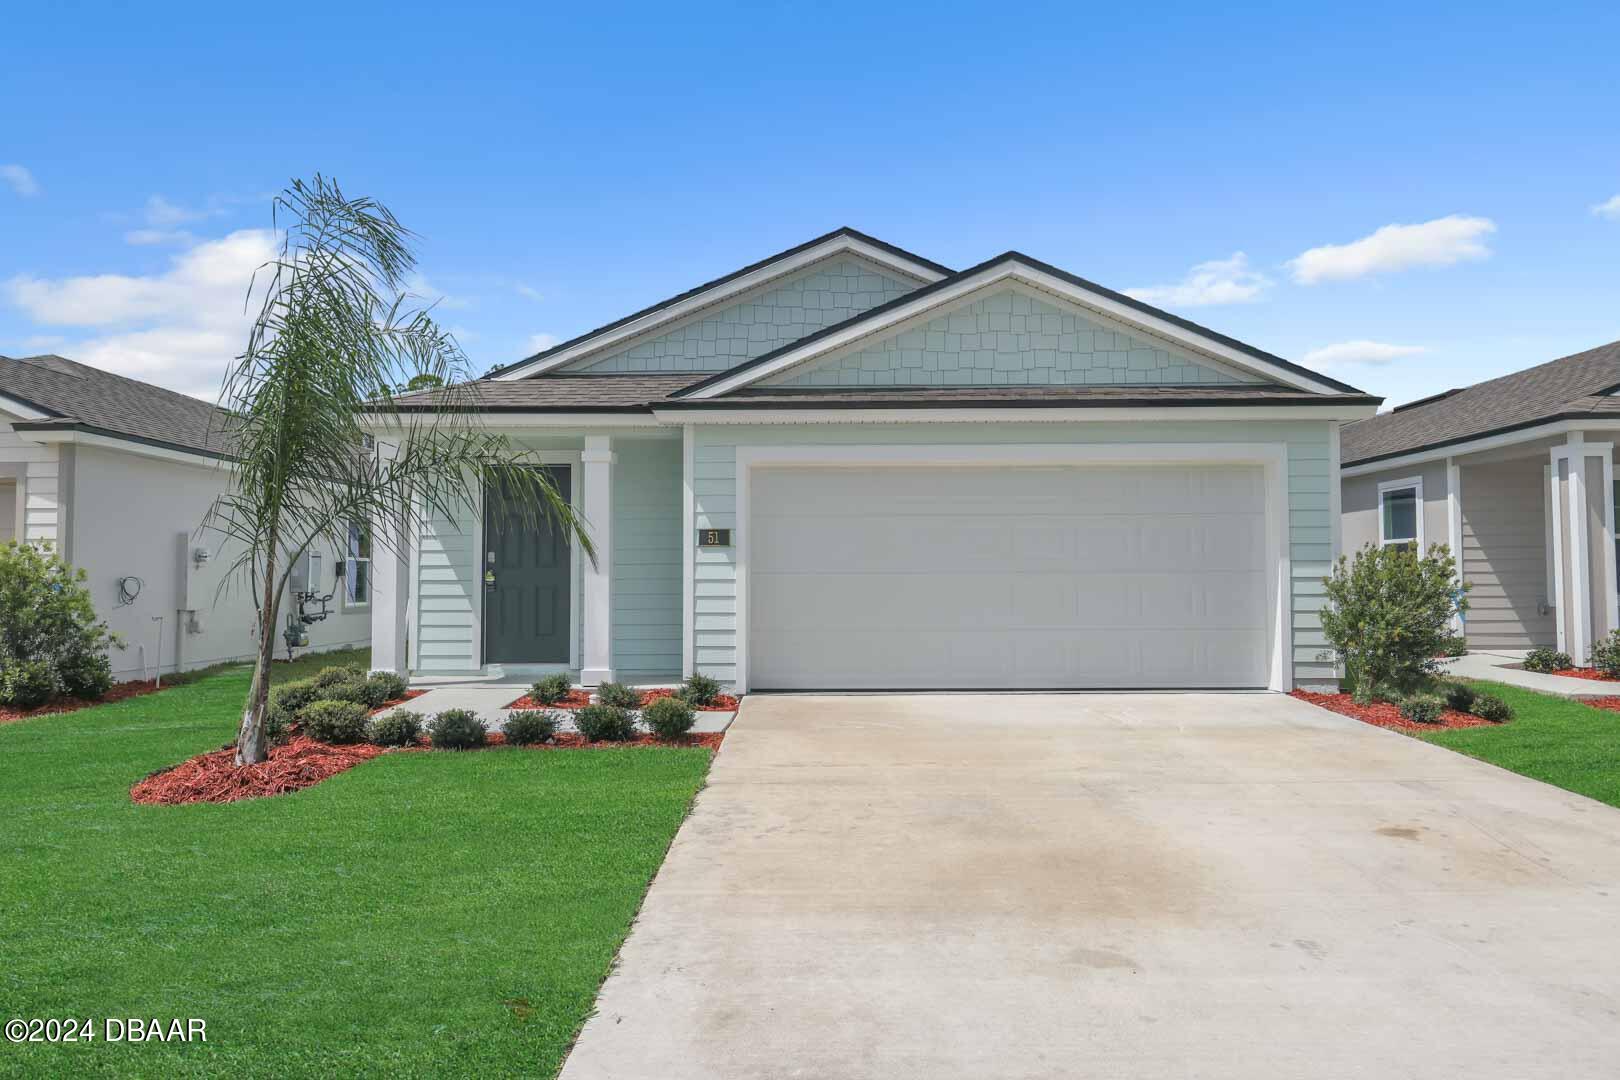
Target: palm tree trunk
{"points": [[250, 742]]}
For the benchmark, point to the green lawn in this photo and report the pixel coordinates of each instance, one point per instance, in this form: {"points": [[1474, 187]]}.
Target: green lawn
{"points": [[1550, 738], [424, 914]]}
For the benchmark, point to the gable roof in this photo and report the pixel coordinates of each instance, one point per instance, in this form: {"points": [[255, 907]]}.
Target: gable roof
{"points": [[1010, 264], [77, 397], [553, 392], [1570, 388], [840, 239]]}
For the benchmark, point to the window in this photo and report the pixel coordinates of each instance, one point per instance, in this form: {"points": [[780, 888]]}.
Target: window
{"points": [[357, 565], [1400, 514]]}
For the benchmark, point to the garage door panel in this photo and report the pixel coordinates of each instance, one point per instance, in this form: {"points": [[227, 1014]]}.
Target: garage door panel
{"points": [[1040, 577]]}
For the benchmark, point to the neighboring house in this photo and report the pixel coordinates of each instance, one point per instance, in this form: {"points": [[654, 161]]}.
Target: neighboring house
{"points": [[118, 475], [847, 466], [1516, 474]]}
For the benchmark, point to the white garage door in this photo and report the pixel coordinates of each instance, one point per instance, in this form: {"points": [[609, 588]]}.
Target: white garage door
{"points": [[934, 577]]}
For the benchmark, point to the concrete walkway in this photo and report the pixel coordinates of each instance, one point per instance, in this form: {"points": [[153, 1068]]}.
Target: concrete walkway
{"points": [[492, 703], [1220, 886], [1493, 666]]}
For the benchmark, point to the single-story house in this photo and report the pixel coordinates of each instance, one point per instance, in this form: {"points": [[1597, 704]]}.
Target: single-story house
{"points": [[1516, 475], [117, 476], [848, 466]]}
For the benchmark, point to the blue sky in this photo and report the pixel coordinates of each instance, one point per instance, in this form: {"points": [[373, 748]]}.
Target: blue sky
{"points": [[563, 169]]}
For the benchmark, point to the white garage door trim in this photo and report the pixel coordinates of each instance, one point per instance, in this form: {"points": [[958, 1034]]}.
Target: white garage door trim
{"points": [[1272, 457]]}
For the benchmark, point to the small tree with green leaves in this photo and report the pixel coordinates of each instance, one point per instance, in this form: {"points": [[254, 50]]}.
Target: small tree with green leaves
{"points": [[311, 404], [51, 641], [1389, 614]]}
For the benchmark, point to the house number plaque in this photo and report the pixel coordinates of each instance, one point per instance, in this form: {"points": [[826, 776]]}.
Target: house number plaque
{"points": [[714, 538]]}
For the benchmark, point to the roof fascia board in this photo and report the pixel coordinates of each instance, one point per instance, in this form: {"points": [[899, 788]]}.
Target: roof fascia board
{"points": [[639, 418], [23, 410], [1010, 269], [1474, 444], [82, 435], [721, 414], [671, 313]]}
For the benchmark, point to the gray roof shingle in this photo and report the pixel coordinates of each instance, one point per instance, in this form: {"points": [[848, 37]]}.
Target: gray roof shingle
{"points": [[78, 395], [554, 393], [1573, 387]]}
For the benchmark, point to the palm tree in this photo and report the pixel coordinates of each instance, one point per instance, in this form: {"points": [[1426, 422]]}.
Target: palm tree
{"points": [[311, 398]]}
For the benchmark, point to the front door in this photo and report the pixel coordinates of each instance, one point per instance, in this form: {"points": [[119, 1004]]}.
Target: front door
{"points": [[526, 582]]}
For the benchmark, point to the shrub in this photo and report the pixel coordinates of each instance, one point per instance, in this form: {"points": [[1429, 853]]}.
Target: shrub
{"points": [[1422, 708], [551, 689], [294, 696], [331, 676], [50, 639], [1455, 645], [1606, 654], [354, 691], [334, 721], [1459, 696], [277, 726], [669, 717], [1389, 613], [618, 695], [1545, 660], [27, 683], [699, 690], [456, 729], [605, 723], [526, 727], [388, 685], [1491, 707], [397, 728]]}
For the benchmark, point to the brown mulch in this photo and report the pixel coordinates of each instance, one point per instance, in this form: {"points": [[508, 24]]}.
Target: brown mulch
{"points": [[722, 702], [119, 692], [576, 699], [1383, 714], [301, 762], [1612, 704], [1584, 673], [298, 763]]}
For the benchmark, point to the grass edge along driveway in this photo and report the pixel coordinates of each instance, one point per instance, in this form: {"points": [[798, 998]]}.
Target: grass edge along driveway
{"points": [[1552, 739], [423, 914]]}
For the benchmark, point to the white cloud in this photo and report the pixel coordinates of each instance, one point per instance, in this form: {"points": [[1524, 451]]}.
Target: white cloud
{"points": [[179, 328], [1367, 353], [539, 343], [21, 180], [149, 237], [1441, 242], [529, 292], [1221, 281], [1609, 209], [429, 296]]}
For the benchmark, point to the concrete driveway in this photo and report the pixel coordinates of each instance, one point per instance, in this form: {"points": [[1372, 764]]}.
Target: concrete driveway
{"points": [[1115, 886]]}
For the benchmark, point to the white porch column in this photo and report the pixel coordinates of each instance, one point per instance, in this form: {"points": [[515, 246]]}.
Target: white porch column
{"points": [[1582, 498], [596, 607], [1454, 527], [390, 595]]}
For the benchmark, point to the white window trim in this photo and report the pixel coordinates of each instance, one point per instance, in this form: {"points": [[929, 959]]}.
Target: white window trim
{"points": [[344, 603], [1273, 457], [1416, 484]]}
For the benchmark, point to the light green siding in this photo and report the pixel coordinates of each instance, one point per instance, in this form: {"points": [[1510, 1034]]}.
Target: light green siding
{"points": [[448, 600], [647, 558], [820, 295], [715, 500], [1010, 338]]}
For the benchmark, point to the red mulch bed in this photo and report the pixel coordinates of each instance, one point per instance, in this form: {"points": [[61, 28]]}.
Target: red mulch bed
{"points": [[1612, 704], [576, 699], [1384, 715], [301, 762], [298, 763], [1584, 673], [119, 692], [722, 702]]}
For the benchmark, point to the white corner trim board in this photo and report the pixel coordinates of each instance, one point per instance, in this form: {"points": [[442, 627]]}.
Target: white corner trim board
{"points": [[1271, 457], [688, 554]]}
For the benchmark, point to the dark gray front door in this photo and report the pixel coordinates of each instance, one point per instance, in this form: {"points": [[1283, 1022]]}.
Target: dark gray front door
{"points": [[526, 608]]}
